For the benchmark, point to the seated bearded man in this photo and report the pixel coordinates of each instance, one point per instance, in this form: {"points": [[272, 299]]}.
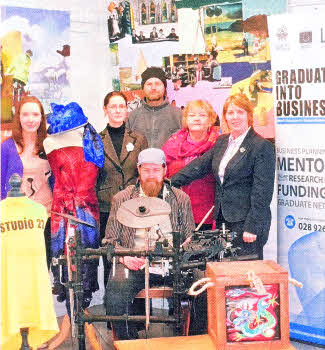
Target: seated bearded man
{"points": [[128, 277]]}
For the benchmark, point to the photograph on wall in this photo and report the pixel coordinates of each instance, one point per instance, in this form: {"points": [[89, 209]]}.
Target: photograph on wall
{"points": [[114, 54], [232, 38], [154, 21], [236, 55], [119, 19], [222, 68], [251, 316], [223, 31], [134, 59], [35, 50]]}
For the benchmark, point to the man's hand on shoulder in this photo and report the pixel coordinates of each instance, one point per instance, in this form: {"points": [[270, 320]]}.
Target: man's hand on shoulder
{"points": [[132, 262]]}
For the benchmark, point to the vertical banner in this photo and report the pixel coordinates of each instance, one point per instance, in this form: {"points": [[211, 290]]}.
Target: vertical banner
{"points": [[297, 52]]}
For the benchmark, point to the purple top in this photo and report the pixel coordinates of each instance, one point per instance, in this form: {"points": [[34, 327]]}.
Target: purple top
{"points": [[10, 164]]}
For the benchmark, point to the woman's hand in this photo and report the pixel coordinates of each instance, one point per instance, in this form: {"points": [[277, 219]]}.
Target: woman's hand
{"points": [[132, 262], [249, 237]]}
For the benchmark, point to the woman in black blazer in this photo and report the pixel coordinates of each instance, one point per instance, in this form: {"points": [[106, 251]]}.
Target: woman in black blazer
{"points": [[243, 164]]}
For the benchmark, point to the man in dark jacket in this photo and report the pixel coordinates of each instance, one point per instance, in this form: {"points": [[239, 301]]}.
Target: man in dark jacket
{"points": [[156, 119]]}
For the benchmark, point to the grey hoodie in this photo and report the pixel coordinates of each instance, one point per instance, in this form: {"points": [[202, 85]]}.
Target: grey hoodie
{"points": [[157, 124]]}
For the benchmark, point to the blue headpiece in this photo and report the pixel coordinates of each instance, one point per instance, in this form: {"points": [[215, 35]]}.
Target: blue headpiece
{"points": [[70, 117], [65, 118]]}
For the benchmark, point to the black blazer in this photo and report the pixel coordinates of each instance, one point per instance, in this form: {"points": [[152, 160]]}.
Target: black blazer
{"points": [[248, 183]]}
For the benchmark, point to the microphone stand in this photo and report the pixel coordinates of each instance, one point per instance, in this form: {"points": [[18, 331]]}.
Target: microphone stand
{"points": [[177, 287]]}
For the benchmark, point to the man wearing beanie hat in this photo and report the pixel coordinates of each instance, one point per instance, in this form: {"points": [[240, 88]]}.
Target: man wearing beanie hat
{"points": [[156, 119], [128, 277]]}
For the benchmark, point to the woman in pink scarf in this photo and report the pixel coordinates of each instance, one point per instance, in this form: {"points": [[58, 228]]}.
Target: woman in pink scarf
{"points": [[197, 136]]}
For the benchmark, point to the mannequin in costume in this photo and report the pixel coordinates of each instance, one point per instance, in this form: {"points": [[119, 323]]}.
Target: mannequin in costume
{"points": [[23, 154], [26, 298], [75, 151]]}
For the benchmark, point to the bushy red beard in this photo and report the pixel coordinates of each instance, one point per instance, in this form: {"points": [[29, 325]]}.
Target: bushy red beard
{"points": [[151, 188]]}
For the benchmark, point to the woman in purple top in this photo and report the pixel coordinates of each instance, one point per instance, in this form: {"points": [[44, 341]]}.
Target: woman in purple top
{"points": [[23, 153]]}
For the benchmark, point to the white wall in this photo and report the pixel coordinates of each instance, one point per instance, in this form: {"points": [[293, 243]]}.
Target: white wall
{"points": [[300, 6], [90, 60]]}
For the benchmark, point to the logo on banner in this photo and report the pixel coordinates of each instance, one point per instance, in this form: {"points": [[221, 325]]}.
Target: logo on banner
{"points": [[282, 33], [282, 36], [290, 221], [305, 37]]}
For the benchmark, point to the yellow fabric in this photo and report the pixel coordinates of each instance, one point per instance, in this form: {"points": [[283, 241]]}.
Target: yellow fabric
{"points": [[26, 298], [20, 67]]}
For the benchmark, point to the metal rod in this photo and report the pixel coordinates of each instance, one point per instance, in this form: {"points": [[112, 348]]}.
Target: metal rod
{"points": [[205, 217], [192, 265], [105, 318], [79, 293], [177, 282], [146, 283], [123, 252], [68, 242]]}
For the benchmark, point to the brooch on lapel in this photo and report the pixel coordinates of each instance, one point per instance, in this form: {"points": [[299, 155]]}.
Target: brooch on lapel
{"points": [[242, 149], [129, 147]]}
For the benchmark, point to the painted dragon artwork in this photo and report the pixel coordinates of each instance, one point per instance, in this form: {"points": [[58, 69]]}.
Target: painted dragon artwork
{"points": [[252, 316]]}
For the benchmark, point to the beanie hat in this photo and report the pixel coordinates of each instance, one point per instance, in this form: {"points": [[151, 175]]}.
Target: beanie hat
{"points": [[153, 72]]}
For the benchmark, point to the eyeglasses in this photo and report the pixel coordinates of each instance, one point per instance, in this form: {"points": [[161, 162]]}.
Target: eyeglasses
{"points": [[115, 107]]}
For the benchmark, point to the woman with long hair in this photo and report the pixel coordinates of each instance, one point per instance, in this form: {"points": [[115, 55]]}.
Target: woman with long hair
{"points": [[23, 153]]}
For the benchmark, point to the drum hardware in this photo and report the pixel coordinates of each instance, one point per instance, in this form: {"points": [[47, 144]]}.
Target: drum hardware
{"points": [[212, 245], [181, 271]]}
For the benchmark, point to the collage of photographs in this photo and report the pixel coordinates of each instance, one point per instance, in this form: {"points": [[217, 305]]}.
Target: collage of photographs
{"points": [[236, 55]]}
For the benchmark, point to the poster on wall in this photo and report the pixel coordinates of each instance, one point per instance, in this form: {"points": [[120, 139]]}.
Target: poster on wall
{"points": [[35, 50], [153, 35], [154, 21], [119, 19], [235, 55], [145, 21], [298, 91]]}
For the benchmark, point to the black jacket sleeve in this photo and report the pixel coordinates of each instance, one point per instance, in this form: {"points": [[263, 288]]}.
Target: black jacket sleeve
{"points": [[262, 187]]}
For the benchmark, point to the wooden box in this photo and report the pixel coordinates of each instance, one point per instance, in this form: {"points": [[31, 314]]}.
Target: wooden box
{"points": [[239, 317]]}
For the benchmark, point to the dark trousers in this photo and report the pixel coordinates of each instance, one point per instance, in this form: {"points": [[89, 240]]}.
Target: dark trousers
{"points": [[120, 295], [245, 248], [199, 308], [107, 265]]}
